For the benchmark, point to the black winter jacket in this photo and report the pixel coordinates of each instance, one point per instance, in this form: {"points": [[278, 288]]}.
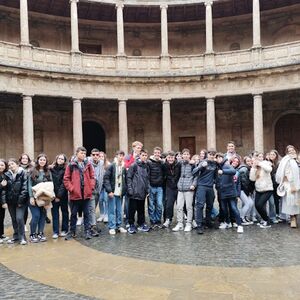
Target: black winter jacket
{"points": [[17, 191], [138, 180], [247, 186], [58, 182], [225, 183], [172, 174], [156, 173], [2, 190], [109, 180]]}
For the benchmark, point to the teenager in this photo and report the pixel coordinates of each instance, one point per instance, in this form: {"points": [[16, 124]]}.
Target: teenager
{"points": [[3, 204]]}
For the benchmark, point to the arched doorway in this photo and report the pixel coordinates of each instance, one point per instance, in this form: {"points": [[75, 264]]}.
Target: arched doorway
{"points": [[287, 131], [93, 136]]}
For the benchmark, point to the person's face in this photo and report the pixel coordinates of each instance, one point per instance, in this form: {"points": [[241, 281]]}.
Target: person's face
{"points": [[260, 157], [211, 156], [170, 159], [60, 160], [202, 155], [137, 149], [120, 158], [272, 156], [95, 156], [13, 166], [42, 161], [2, 166], [144, 157], [196, 159], [156, 154], [81, 155], [186, 156], [235, 163], [24, 160], [179, 157], [101, 156], [230, 148], [249, 162], [292, 152], [219, 159]]}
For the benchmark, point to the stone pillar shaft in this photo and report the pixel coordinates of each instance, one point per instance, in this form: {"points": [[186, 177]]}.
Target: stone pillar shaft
{"points": [[24, 25], [164, 30], [123, 127], [74, 27], [258, 128], [256, 24], [209, 26], [211, 124], [28, 134], [166, 125], [77, 124], [120, 29]]}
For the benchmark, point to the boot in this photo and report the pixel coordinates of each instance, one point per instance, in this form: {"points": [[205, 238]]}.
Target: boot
{"points": [[293, 222]]}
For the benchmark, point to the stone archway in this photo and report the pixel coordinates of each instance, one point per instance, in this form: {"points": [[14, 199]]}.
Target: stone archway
{"points": [[93, 136], [287, 130]]}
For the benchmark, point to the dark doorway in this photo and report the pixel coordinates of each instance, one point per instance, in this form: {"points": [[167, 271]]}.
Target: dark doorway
{"points": [[287, 131], [189, 143], [93, 136]]}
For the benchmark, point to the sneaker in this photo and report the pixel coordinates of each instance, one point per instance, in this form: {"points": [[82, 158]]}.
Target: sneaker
{"points": [[234, 225], [48, 221], [229, 225], [194, 224], [188, 227], [249, 221], [79, 221], [25, 228], [55, 236], [245, 222], [178, 227], [105, 219], [265, 224], [224, 225], [63, 234], [87, 235], [11, 241], [240, 229], [94, 231], [70, 235], [260, 223], [274, 221], [42, 237], [127, 226], [1, 241], [200, 230], [33, 238], [144, 228], [122, 230], [167, 224], [23, 242], [112, 231], [132, 229], [100, 219], [4, 238]]}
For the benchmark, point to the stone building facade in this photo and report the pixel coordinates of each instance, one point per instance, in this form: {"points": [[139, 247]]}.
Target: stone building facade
{"points": [[177, 73]]}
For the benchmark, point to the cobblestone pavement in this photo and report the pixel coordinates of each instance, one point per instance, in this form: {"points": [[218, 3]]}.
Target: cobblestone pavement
{"points": [[256, 247], [16, 287]]}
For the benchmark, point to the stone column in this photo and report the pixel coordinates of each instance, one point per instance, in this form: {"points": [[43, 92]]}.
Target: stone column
{"points": [[120, 29], [166, 125], [28, 135], [211, 124], [164, 30], [74, 26], [209, 26], [123, 127], [77, 123], [256, 24], [24, 25], [258, 128]]}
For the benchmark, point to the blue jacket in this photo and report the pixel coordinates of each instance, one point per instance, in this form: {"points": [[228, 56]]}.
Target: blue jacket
{"points": [[225, 183]]}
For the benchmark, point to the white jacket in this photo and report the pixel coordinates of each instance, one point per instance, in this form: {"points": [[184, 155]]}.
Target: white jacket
{"points": [[262, 176]]}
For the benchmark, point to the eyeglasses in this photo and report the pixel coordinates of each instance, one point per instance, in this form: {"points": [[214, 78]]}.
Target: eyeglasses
{"points": [[95, 154]]}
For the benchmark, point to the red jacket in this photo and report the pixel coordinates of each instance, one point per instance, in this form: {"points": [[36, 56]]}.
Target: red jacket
{"points": [[72, 181]]}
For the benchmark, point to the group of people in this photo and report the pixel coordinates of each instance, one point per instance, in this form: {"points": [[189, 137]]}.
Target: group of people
{"points": [[258, 188]]}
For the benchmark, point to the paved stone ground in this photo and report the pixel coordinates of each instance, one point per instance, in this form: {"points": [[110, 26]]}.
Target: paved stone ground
{"points": [[272, 247], [16, 287]]}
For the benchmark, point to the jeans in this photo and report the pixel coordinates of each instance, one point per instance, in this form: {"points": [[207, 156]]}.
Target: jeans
{"points": [[38, 219], [63, 205], [103, 203], [248, 203], [204, 195], [138, 206], [17, 218], [260, 203], [126, 208], [114, 212], [2, 216], [187, 199], [92, 208], [272, 208], [171, 196], [230, 203], [75, 206], [155, 204]]}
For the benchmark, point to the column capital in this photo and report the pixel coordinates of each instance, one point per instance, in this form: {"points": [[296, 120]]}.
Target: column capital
{"points": [[258, 94], [166, 100], [76, 99], [122, 100], [119, 5], [27, 96], [208, 2], [74, 1], [210, 98], [163, 6]]}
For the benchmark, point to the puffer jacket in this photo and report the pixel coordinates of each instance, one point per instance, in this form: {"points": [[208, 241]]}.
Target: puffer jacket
{"points": [[17, 189], [58, 181], [247, 186], [262, 176], [186, 179], [225, 184], [172, 174], [138, 180], [3, 190], [156, 172]]}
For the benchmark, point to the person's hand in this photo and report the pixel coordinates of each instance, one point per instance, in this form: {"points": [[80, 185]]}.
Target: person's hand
{"points": [[32, 201], [255, 163], [293, 189], [204, 164], [192, 187], [220, 172], [4, 182], [192, 162], [56, 199], [4, 206], [111, 195]]}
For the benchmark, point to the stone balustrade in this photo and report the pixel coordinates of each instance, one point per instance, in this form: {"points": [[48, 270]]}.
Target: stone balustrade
{"points": [[32, 58]]}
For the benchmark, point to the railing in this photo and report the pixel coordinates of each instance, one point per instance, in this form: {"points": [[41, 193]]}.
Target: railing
{"points": [[48, 60]]}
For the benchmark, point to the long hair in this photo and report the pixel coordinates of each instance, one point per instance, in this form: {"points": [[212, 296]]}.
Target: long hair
{"points": [[5, 163], [106, 162], [276, 161], [35, 171], [65, 160]]}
